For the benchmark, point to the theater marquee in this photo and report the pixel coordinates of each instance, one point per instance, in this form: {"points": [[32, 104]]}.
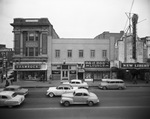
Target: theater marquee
{"points": [[135, 65]]}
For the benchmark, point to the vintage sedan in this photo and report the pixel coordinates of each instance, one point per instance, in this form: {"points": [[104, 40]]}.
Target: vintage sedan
{"points": [[59, 90], [17, 89], [77, 83], [79, 96], [10, 98]]}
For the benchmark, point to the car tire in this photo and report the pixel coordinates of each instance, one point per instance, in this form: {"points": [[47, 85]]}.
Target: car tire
{"points": [[90, 103], [120, 88], [66, 103], [104, 88], [51, 95]]}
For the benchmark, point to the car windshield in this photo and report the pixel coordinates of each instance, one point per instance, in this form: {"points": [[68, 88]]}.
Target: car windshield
{"points": [[14, 95]]}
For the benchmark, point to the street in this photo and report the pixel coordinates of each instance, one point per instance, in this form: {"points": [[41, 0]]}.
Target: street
{"points": [[132, 103]]}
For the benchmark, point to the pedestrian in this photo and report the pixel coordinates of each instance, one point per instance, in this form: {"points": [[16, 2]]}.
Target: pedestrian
{"points": [[7, 83], [146, 77], [134, 80], [50, 78]]}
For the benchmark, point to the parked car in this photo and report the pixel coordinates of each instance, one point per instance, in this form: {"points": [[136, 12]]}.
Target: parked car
{"points": [[77, 83], [112, 84], [59, 90], [10, 98], [79, 96], [17, 89]]}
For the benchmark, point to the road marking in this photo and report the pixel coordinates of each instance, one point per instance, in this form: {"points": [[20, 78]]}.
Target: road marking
{"points": [[73, 108]]}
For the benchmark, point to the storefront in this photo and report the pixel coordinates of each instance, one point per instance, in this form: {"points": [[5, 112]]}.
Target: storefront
{"points": [[140, 70], [97, 69], [30, 71], [64, 72]]}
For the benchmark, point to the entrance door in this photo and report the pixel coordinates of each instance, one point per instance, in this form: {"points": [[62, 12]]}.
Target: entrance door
{"points": [[64, 75], [80, 75]]}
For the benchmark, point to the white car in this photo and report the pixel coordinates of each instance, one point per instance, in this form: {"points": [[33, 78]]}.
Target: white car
{"points": [[79, 96], [59, 90], [77, 83], [10, 98], [17, 89]]}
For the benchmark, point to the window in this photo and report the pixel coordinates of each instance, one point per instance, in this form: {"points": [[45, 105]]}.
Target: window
{"points": [[66, 88], [78, 94], [36, 51], [69, 53], [31, 51], [57, 53], [104, 53], [36, 36], [81, 54], [92, 53], [31, 36], [60, 88]]}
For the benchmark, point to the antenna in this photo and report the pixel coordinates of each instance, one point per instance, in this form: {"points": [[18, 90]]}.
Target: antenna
{"points": [[129, 18]]}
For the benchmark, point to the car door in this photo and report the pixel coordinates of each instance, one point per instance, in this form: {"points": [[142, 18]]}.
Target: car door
{"points": [[78, 98], [1, 101], [67, 89], [59, 91], [85, 97]]}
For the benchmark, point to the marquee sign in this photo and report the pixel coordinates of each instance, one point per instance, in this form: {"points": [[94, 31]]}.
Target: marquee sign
{"points": [[97, 64], [135, 65], [27, 66]]}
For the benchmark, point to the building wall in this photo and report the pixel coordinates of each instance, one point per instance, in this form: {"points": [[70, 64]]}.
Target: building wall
{"points": [[79, 44], [125, 50]]}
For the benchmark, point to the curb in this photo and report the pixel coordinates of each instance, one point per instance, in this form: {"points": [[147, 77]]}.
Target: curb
{"points": [[89, 86]]}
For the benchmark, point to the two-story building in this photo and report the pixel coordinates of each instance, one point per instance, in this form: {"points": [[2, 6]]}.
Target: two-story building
{"points": [[40, 52]]}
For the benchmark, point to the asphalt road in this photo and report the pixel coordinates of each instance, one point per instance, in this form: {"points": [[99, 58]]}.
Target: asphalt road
{"points": [[132, 103]]}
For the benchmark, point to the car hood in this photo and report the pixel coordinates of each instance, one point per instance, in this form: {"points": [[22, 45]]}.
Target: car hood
{"points": [[51, 88], [68, 95]]}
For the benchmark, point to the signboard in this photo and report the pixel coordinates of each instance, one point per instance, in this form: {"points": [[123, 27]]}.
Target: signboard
{"points": [[97, 64], [135, 65], [55, 72], [73, 72], [27, 66], [64, 66]]}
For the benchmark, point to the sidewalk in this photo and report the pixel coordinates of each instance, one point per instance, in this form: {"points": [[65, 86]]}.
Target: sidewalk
{"points": [[38, 84]]}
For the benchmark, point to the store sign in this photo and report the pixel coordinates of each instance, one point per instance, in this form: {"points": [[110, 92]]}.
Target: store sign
{"points": [[27, 66], [97, 64], [135, 65], [55, 72], [73, 72], [64, 66]]}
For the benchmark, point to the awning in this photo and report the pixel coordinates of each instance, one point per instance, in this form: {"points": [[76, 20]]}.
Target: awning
{"points": [[97, 69]]}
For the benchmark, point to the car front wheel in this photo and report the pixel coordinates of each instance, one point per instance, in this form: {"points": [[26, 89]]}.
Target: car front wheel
{"points": [[66, 103], [51, 94]]}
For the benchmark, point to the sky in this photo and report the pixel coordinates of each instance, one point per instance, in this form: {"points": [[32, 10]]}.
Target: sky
{"points": [[75, 18]]}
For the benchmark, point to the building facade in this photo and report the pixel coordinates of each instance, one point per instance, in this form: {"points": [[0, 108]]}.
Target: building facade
{"points": [[30, 60], [40, 53]]}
